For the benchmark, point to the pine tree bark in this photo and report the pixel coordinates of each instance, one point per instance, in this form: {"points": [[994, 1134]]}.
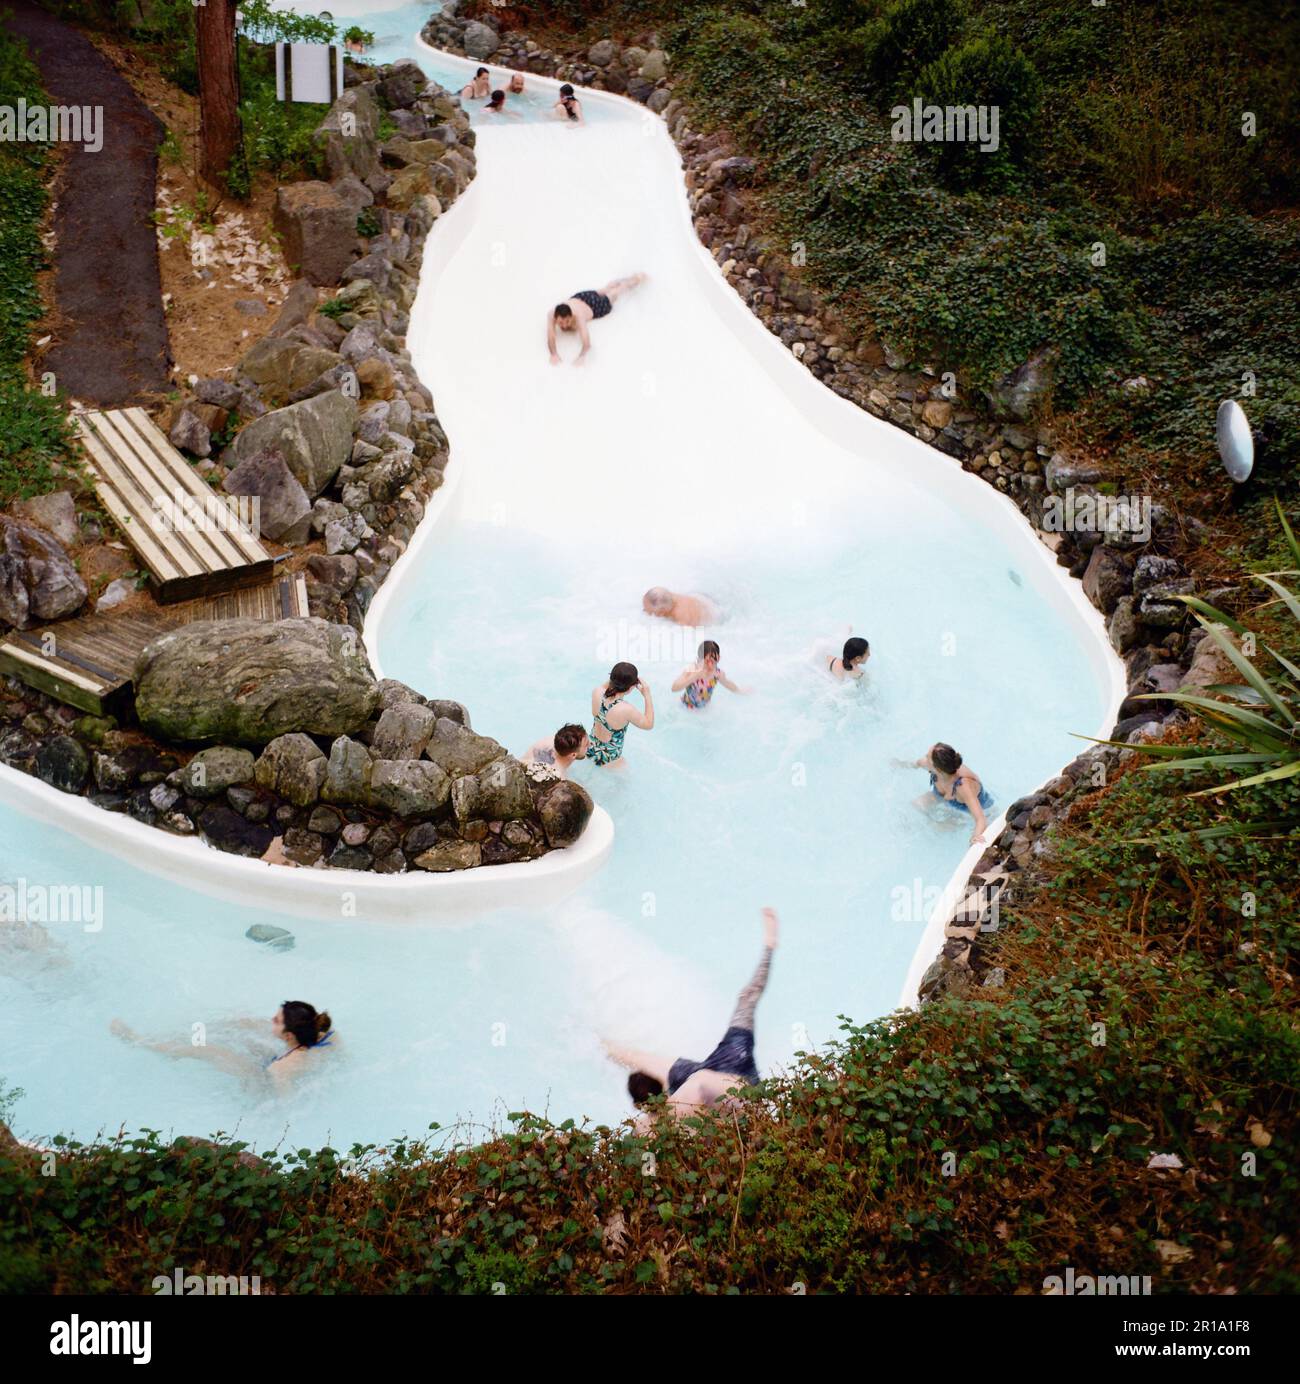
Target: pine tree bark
{"points": [[221, 140]]}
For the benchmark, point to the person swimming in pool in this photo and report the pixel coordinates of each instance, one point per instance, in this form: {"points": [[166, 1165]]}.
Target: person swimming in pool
{"points": [[480, 88], [681, 610], [697, 684], [568, 107], [298, 1026], [496, 102], [612, 715], [553, 757], [574, 314], [851, 663], [956, 784], [689, 1084], [516, 85]]}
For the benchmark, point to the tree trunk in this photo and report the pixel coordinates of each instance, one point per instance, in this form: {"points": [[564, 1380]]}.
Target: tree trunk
{"points": [[221, 141]]}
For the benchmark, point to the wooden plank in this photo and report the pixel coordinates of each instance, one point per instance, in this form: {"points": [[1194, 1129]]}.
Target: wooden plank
{"points": [[296, 602], [113, 488], [137, 469], [92, 678], [244, 543], [155, 481], [28, 659], [80, 661], [171, 476]]}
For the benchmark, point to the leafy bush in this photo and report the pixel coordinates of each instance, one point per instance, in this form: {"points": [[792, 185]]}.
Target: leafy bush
{"points": [[1258, 717], [909, 36], [985, 71], [34, 437]]}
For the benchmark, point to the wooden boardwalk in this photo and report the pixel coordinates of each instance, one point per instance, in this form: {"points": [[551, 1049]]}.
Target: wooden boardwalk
{"points": [[89, 662], [192, 541]]}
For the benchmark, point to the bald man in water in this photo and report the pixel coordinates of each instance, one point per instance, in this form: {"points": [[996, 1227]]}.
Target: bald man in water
{"points": [[679, 608], [574, 314]]}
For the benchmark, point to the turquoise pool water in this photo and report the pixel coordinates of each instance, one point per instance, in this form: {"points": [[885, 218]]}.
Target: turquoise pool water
{"points": [[671, 459]]}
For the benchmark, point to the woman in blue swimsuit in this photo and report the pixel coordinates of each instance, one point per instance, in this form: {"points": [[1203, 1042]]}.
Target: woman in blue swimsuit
{"points": [[612, 715], [956, 785], [302, 1029], [298, 1025]]}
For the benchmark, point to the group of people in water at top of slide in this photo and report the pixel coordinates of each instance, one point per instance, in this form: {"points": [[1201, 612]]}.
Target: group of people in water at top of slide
{"points": [[567, 105]]}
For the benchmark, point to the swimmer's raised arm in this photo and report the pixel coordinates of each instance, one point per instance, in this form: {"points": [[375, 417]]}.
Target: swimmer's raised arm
{"points": [[645, 719], [731, 686], [687, 676]]}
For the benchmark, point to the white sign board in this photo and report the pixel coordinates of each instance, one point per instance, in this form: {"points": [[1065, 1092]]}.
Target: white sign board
{"points": [[308, 72]]}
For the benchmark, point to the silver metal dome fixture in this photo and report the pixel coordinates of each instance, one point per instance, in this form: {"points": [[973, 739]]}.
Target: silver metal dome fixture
{"points": [[1236, 445]]}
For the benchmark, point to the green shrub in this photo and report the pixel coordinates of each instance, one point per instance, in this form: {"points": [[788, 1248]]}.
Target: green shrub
{"points": [[910, 35], [34, 435], [35, 439], [985, 71]]}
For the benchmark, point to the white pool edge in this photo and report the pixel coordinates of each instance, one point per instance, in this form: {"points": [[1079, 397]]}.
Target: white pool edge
{"points": [[835, 416], [314, 893]]}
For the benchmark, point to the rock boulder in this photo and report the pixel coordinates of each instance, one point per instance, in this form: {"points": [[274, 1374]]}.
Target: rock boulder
{"points": [[294, 767], [317, 229], [480, 40], [565, 809], [284, 509], [313, 437], [248, 681], [55, 513], [37, 578], [458, 751]]}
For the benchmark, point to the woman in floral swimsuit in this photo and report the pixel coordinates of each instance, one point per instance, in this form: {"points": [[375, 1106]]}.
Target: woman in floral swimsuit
{"points": [[612, 715]]}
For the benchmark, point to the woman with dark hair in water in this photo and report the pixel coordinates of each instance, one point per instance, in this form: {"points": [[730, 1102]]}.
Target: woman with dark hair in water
{"points": [[955, 784], [612, 715], [479, 87], [568, 107], [496, 102], [299, 1026]]}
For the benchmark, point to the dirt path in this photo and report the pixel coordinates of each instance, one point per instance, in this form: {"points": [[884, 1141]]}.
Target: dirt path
{"points": [[112, 345]]}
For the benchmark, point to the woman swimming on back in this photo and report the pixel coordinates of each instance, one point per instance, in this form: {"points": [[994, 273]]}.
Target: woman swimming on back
{"points": [[612, 715]]}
